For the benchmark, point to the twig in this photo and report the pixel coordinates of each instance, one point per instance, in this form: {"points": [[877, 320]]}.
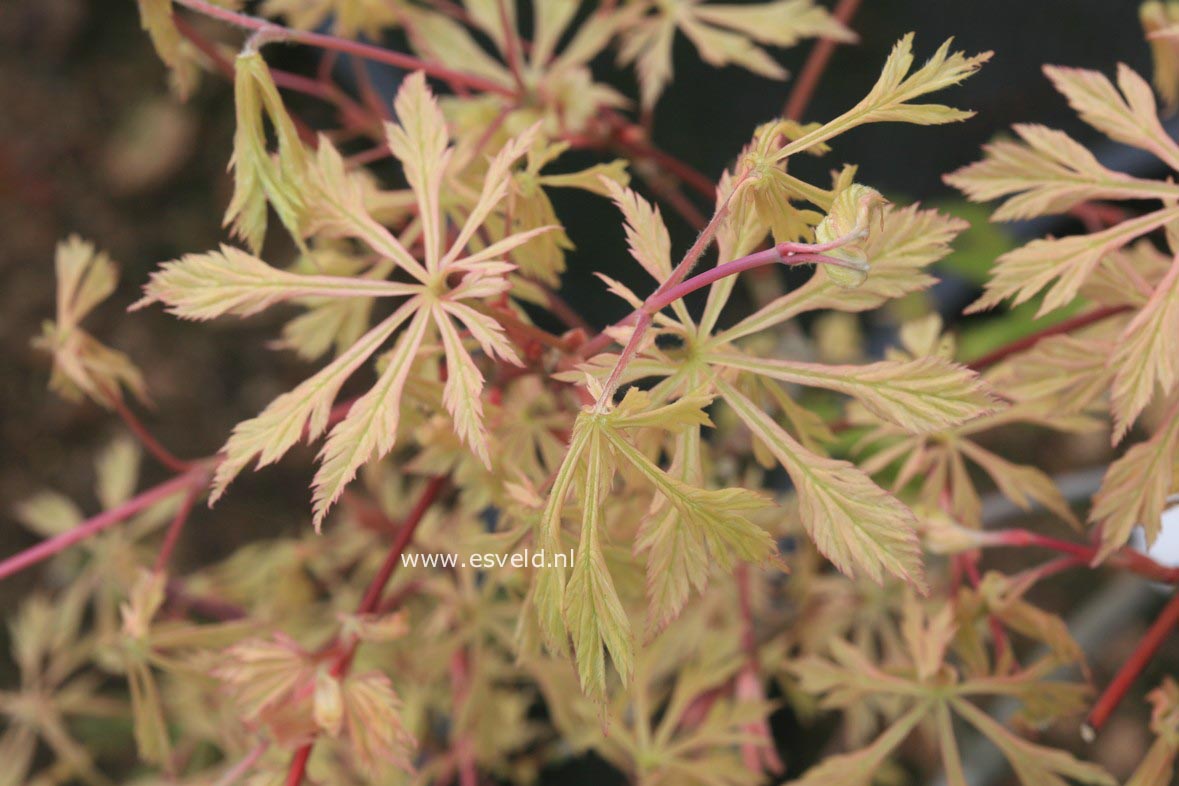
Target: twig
{"points": [[175, 528], [346, 46], [196, 476], [816, 64], [1029, 341], [299, 765], [1138, 660], [675, 287], [633, 140], [371, 602], [146, 438], [1124, 558]]}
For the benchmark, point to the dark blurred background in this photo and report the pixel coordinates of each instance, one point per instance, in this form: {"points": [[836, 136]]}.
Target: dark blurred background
{"points": [[92, 142]]}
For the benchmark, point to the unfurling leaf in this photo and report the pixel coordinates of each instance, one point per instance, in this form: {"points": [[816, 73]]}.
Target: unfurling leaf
{"points": [[258, 176], [851, 217]]}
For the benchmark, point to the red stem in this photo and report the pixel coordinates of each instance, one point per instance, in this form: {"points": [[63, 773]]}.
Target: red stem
{"points": [[816, 64], [193, 478], [998, 632], [145, 437], [372, 596], [299, 765], [371, 602], [175, 528], [333, 43], [1124, 558], [1029, 341], [1142, 655], [632, 139]]}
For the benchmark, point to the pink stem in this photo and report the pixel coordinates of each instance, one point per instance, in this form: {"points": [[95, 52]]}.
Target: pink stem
{"points": [[1124, 558], [783, 253], [175, 528], [333, 43], [145, 437], [194, 477], [660, 301]]}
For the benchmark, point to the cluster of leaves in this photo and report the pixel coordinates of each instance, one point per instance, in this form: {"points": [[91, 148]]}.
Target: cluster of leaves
{"points": [[661, 466], [1118, 269]]}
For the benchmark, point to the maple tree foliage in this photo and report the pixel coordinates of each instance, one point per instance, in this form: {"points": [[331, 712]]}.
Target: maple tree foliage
{"points": [[744, 513]]}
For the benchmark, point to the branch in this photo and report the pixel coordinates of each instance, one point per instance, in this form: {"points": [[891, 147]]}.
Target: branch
{"points": [[1029, 341], [1142, 655], [675, 287], [196, 477], [146, 438], [377, 54], [371, 602], [175, 528], [816, 64], [1124, 558]]}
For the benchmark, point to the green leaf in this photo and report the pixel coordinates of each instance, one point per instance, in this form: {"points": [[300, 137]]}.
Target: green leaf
{"points": [[891, 98], [712, 521]]}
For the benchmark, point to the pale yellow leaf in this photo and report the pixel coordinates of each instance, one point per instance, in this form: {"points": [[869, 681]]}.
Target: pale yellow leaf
{"points": [[370, 428], [854, 523], [1047, 173], [1144, 360], [1135, 489], [1128, 116], [230, 281]]}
